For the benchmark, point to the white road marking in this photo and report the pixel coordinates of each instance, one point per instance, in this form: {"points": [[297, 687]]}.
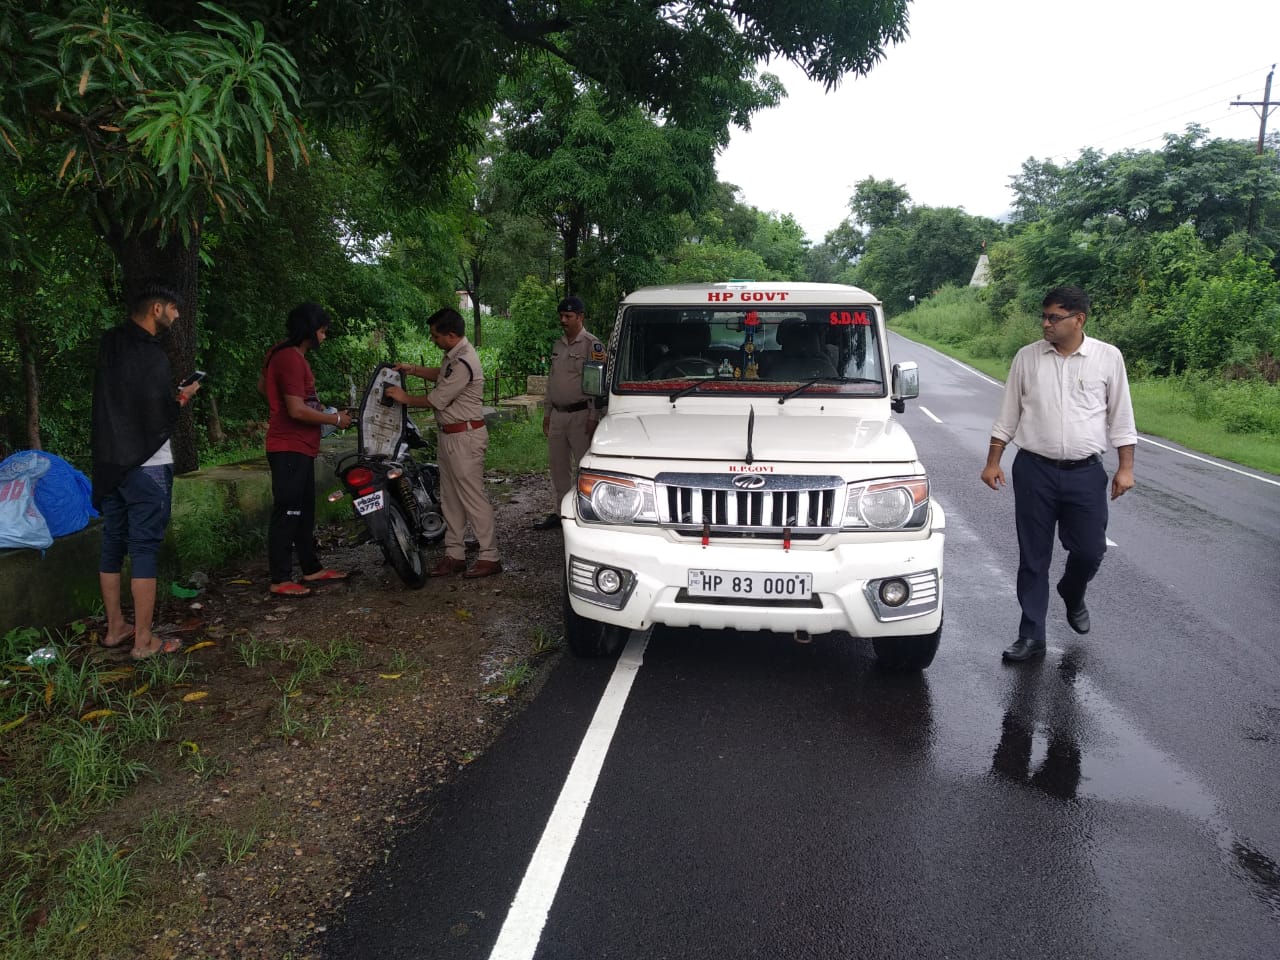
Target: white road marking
{"points": [[927, 412], [1212, 463], [521, 931], [959, 363]]}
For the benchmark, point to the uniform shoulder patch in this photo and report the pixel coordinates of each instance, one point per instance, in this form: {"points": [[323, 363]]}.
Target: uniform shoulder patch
{"points": [[597, 350]]}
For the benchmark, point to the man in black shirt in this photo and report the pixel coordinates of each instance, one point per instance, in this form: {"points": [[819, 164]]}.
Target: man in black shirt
{"points": [[135, 406]]}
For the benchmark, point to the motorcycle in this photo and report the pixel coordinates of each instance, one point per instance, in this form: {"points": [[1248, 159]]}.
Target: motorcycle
{"points": [[392, 491]]}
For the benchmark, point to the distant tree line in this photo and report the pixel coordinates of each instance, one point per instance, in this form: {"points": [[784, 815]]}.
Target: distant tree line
{"points": [[1179, 248]]}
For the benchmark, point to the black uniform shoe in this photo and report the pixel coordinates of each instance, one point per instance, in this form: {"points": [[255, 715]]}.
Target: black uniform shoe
{"points": [[1024, 649], [549, 522], [1078, 616]]}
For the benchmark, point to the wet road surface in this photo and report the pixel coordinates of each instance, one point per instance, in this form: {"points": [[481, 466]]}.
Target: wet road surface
{"points": [[762, 798]]}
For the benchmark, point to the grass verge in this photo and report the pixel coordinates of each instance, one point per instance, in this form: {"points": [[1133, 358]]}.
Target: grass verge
{"points": [[77, 734]]}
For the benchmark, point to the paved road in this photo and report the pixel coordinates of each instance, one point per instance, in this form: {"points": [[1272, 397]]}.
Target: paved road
{"points": [[760, 798]]}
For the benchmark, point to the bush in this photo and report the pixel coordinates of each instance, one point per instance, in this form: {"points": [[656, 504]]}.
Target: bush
{"points": [[960, 316], [535, 326]]}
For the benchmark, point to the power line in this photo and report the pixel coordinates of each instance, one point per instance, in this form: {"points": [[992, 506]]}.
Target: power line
{"points": [[1179, 119], [1187, 96]]}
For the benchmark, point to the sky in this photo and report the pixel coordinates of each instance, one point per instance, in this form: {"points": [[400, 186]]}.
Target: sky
{"points": [[978, 87]]}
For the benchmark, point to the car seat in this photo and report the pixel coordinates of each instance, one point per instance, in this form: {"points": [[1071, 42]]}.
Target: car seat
{"points": [[801, 355]]}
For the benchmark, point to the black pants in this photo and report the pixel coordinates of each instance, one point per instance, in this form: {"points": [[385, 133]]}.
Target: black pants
{"points": [[293, 515], [1074, 501]]}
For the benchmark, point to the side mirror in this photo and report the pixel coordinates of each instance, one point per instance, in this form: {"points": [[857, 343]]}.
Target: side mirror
{"points": [[593, 378], [906, 384]]}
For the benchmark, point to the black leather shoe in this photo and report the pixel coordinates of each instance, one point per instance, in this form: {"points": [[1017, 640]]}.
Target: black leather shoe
{"points": [[550, 522], [1079, 618], [1024, 649]]}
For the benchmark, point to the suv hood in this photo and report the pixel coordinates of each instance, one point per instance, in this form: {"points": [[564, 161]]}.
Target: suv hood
{"points": [[795, 437]]}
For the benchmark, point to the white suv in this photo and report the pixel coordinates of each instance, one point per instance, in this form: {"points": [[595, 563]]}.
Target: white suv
{"points": [[750, 475]]}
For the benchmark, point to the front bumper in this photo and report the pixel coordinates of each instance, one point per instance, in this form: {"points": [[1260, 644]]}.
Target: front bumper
{"points": [[655, 565]]}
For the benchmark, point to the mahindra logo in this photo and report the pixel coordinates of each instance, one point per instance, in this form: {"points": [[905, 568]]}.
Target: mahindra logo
{"points": [[753, 482]]}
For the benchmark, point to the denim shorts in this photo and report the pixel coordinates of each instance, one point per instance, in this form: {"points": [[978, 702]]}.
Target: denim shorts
{"points": [[134, 520]]}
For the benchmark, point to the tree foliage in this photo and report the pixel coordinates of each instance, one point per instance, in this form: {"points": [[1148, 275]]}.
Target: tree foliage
{"points": [[610, 183], [152, 127], [879, 203], [920, 251], [1178, 248], [138, 122]]}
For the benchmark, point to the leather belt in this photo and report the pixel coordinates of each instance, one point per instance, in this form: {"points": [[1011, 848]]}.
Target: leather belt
{"points": [[1063, 464], [570, 407], [461, 427]]}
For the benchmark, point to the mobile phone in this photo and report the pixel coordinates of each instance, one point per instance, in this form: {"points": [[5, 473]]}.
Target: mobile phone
{"points": [[194, 378]]}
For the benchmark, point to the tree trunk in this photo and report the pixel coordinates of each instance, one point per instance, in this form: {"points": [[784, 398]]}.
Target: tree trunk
{"points": [[475, 298], [213, 422], [30, 381], [572, 232], [143, 258]]}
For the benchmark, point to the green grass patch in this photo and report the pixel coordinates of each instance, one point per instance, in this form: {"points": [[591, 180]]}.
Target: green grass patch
{"points": [[1237, 421], [216, 523], [517, 447], [74, 729]]}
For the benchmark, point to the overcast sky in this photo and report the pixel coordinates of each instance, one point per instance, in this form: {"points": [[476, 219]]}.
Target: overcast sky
{"points": [[980, 86]]}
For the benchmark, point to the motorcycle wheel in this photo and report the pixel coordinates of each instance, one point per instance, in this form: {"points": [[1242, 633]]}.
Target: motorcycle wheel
{"points": [[402, 550]]}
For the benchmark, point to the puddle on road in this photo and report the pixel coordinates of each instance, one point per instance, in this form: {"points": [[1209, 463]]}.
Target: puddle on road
{"points": [[1062, 736]]}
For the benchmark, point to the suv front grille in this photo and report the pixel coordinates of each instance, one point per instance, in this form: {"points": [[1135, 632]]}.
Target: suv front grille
{"points": [[807, 506]]}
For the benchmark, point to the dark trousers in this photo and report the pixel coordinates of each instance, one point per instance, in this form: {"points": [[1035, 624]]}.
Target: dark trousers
{"points": [[293, 515], [1075, 501]]}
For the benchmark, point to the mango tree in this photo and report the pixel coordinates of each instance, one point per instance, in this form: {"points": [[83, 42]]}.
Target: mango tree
{"points": [[153, 130]]}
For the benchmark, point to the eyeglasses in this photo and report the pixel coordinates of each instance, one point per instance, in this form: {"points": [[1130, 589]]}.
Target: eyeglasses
{"points": [[1050, 318]]}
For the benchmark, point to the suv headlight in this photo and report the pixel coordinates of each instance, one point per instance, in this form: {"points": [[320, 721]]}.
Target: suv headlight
{"points": [[893, 504], [614, 498]]}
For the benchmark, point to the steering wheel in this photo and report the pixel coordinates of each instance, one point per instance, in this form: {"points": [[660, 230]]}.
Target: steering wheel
{"points": [[683, 367]]}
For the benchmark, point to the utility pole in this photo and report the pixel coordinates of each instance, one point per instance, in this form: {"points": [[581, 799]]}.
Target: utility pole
{"points": [[1264, 103]]}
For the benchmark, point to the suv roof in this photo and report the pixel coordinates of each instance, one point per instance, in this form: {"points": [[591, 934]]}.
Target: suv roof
{"points": [[796, 293]]}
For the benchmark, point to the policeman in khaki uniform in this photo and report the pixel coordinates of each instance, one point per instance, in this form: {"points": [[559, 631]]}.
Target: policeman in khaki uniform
{"points": [[457, 399], [570, 416]]}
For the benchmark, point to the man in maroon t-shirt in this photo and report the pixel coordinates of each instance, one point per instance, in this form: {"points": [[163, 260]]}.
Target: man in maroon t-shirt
{"points": [[293, 441]]}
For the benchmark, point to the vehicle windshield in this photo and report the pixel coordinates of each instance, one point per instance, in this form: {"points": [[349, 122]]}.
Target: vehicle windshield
{"points": [[835, 350]]}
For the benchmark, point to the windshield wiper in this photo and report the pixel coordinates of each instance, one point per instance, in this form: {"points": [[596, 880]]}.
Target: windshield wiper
{"points": [[696, 385], [809, 383]]}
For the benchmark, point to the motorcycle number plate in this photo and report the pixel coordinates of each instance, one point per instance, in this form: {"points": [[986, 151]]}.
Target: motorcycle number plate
{"points": [[370, 503]]}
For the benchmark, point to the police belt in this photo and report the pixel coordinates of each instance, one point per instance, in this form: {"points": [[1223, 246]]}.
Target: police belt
{"points": [[461, 427], [1063, 464], [570, 407]]}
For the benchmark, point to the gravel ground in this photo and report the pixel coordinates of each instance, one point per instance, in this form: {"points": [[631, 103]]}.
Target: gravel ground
{"points": [[314, 785]]}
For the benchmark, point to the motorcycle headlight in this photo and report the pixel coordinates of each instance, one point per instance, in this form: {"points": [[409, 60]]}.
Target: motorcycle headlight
{"points": [[612, 498], [894, 504]]}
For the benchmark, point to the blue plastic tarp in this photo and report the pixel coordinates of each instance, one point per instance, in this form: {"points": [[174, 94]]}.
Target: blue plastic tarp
{"points": [[41, 497]]}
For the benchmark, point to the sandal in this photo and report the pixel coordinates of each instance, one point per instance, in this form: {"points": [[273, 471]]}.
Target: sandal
{"points": [[171, 645], [289, 589], [325, 575], [124, 638]]}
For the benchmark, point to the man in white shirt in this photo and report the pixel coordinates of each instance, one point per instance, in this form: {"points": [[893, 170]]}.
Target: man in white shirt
{"points": [[1066, 398]]}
